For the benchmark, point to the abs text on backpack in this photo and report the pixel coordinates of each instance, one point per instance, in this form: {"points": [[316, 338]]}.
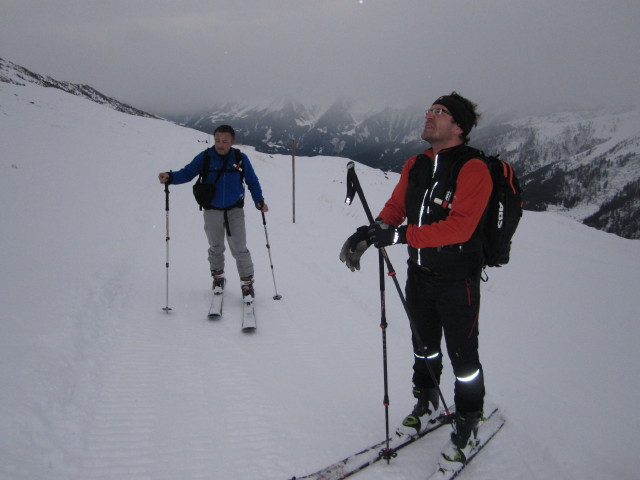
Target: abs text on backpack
{"points": [[503, 212]]}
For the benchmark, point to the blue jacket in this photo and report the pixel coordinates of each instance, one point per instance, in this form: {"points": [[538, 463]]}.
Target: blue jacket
{"points": [[229, 187]]}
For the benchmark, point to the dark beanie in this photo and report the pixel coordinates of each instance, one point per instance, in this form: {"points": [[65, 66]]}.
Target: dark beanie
{"points": [[462, 114]]}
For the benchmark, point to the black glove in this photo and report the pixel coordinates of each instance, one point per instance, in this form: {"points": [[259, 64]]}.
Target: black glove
{"points": [[170, 177], [260, 204], [354, 247], [383, 235]]}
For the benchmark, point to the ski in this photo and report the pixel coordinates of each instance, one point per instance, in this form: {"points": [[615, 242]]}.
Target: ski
{"points": [[364, 458], [488, 428], [248, 317], [215, 310]]}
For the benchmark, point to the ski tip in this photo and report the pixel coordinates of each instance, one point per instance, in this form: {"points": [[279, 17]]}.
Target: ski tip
{"points": [[350, 165], [248, 329]]}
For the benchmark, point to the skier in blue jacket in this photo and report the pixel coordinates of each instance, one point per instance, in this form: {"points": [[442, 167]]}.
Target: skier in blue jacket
{"points": [[224, 216]]}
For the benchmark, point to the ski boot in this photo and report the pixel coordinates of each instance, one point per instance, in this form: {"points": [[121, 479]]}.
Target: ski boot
{"points": [[248, 293], [424, 412], [463, 438], [218, 281]]}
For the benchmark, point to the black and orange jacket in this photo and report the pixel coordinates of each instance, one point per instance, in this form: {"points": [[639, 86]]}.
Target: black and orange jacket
{"points": [[442, 212]]}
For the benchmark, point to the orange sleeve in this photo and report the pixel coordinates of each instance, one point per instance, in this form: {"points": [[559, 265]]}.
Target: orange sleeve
{"points": [[473, 189]]}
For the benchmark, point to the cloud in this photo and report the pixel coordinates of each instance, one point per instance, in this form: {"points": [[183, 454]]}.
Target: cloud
{"points": [[167, 56]]}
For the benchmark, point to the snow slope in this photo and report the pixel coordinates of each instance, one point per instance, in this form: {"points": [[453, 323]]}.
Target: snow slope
{"points": [[97, 382]]}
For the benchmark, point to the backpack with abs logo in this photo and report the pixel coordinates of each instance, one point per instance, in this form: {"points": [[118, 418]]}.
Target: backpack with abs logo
{"points": [[503, 212]]}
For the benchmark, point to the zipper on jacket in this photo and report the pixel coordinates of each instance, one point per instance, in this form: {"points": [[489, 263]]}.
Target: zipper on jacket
{"points": [[425, 202]]}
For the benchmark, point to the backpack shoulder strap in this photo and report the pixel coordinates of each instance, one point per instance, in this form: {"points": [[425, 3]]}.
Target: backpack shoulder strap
{"points": [[204, 171], [465, 155], [239, 159], [239, 164]]}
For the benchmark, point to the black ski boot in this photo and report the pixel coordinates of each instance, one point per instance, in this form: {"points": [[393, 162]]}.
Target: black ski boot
{"points": [[424, 411], [463, 438], [248, 293], [218, 281]]}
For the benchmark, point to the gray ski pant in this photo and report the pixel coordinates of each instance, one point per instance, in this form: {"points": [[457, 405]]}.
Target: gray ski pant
{"points": [[216, 230]]}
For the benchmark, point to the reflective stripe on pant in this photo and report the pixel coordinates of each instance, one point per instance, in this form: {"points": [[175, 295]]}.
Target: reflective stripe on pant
{"points": [[438, 305], [215, 229]]}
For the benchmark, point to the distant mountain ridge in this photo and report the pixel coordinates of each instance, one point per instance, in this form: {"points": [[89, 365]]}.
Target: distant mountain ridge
{"points": [[377, 138], [582, 164], [15, 74]]}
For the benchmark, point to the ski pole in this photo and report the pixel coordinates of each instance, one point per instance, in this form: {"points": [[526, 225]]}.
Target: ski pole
{"points": [[166, 207], [387, 453], [264, 223], [353, 188]]}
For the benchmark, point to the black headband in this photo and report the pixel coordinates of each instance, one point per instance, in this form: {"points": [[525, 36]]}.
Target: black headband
{"points": [[464, 117]]}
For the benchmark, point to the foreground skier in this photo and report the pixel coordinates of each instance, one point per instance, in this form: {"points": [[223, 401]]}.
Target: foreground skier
{"points": [[443, 214]]}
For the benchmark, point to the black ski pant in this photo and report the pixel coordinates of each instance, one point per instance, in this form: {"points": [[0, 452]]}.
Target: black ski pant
{"points": [[444, 305]]}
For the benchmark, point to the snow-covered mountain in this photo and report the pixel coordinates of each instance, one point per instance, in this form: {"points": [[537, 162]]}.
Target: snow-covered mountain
{"points": [[378, 138], [98, 382], [583, 164], [12, 73]]}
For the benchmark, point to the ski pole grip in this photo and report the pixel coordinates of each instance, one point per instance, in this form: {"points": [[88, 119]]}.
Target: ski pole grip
{"points": [[351, 188], [353, 185]]}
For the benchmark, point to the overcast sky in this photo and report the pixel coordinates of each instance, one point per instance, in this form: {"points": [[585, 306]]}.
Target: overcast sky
{"points": [[176, 56]]}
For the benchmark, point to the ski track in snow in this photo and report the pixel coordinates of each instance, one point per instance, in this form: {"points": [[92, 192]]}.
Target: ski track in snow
{"points": [[160, 385], [158, 413]]}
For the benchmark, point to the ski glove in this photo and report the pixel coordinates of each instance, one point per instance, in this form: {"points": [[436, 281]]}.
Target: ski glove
{"points": [[354, 247], [170, 179], [383, 235]]}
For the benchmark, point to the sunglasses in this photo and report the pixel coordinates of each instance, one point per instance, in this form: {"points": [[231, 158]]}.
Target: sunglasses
{"points": [[437, 111]]}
